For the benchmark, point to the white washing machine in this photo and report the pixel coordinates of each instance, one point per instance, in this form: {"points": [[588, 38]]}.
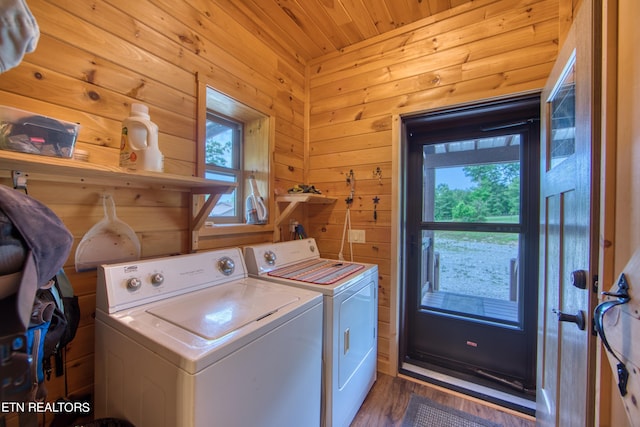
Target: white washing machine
{"points": [[191, 340], [350, 293]]}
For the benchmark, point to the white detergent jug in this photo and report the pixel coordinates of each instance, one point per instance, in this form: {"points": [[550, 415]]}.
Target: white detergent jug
{"points": [[139, 145]]}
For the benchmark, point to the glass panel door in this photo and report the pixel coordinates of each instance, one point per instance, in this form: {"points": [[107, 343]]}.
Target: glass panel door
{"points": [[471, 202]]}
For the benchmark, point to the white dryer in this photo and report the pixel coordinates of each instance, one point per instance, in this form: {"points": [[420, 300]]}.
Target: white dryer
{"points": [[191, 340], [350, 293]]}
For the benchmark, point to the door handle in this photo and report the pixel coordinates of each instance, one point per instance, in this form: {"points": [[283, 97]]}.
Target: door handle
{"points": [[623, 297], [577, 318], [347, 337]]}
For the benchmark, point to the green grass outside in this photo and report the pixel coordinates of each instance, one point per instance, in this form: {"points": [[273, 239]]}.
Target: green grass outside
{"points": [[482, 236]]}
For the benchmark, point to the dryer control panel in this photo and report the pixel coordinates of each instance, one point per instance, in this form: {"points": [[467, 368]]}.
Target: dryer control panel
{"points": [[261, 259]]}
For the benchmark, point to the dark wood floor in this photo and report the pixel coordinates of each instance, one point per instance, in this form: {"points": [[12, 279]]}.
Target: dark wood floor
{"points": [[389, 397]]}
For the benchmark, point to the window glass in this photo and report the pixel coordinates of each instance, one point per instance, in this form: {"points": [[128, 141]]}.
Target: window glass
{"points": [[221, 138], [223, 149], [471, 272], [563, 118], [462, 190], [472, 228]]}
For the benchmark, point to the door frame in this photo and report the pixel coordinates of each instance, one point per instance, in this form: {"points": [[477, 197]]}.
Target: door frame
{"points": [[619, 211]]}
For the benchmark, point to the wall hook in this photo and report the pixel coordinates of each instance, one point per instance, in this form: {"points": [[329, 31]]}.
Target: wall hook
{"points": [[350, 178], [351, 181], [376, 200], [378, 174]]}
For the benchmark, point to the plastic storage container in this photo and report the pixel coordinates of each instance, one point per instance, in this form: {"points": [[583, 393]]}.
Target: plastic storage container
{"points": [[37, 134]]}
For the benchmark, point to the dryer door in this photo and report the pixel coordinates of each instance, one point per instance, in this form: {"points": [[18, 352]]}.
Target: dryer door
{"points": [[357, 319]]}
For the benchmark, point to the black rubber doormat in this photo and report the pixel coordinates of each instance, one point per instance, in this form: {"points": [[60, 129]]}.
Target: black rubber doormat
{"points": [[423, 412]]}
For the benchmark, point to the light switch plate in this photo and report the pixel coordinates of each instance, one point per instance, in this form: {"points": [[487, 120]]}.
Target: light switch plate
{"points": [[357, 236]]}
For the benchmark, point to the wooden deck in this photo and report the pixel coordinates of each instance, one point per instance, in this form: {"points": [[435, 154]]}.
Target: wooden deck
{"points": [[477, 306]]}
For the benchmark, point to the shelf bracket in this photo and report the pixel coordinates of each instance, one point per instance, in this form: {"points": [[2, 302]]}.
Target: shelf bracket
{"points": [[198, 218], [19, 180], [286, 213], [292, 201]]}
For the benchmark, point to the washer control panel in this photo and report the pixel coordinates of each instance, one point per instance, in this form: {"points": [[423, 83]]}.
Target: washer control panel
{"points": [[126, 285]]}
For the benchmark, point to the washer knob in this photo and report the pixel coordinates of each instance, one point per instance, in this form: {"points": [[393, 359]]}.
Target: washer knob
{"points": [[226, 266], [134, 284], [157, 279], [270, 257]]}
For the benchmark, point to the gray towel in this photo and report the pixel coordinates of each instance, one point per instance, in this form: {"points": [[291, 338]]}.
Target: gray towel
{"points": [[12, 248], [46, 243], [19, 33], [41, 230]]}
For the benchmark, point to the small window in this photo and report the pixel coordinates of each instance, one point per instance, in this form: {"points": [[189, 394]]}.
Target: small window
{"points": [[223, 162], [562, 138], [234, 142]]}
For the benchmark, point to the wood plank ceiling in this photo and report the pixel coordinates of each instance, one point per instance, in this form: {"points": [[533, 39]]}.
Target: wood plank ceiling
{"points": [[312, 28]]}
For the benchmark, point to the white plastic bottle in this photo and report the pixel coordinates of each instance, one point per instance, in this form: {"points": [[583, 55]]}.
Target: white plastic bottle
{"points": [[139, 144], [256, 209]]}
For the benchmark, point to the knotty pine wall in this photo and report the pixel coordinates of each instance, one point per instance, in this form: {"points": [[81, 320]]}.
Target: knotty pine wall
{"points": [[483, 49], [93, 59]]}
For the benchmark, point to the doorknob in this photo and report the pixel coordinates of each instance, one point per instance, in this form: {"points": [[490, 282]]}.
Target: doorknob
{"points": [[577, 318]]}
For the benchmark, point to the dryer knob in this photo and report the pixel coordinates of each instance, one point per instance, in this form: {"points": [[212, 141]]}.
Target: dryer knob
{"points": [[157, 279], [270, 257], [226, 266], [134, 284]]}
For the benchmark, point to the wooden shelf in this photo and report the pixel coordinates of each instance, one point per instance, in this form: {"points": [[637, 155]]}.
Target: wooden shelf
{"points": [[56, 169], [287, 204], [70, 170]]}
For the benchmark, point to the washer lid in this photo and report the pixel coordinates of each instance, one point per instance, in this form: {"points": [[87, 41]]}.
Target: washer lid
{"points": [[220, 310]]}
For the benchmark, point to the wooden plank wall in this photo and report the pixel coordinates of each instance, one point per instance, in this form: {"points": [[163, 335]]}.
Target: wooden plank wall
{"points": [[482, 49], [93, 59]]}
